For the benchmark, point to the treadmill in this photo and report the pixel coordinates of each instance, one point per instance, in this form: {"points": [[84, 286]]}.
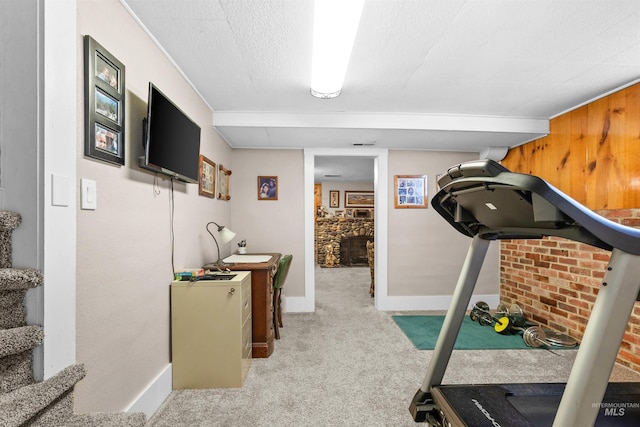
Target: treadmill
{"points": [[485, 201]]}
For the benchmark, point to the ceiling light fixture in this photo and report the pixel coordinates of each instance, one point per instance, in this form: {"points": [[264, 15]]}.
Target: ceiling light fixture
{"points": [[335, 24]]}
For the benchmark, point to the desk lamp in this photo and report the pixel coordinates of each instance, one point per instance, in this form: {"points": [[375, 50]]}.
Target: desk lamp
{"points": [[225, 237]]}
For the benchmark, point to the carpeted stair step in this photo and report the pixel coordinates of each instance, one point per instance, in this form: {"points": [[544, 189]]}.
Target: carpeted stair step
{"points": [[14, 282], [17, 371], [32, 403], [15, 356], [103, 419], [9, 221], [17, 340], [19, 278]]}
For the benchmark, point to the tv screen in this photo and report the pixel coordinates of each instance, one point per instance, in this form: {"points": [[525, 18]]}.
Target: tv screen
{"points": [[172, 140]]}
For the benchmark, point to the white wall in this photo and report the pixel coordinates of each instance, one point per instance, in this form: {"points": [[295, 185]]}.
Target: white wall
{"points": [[270, 225], [59, 182], [425, 252], [125, 251]]}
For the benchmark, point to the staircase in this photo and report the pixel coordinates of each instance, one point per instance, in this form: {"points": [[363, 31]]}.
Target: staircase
{"points": [[23, 401]]}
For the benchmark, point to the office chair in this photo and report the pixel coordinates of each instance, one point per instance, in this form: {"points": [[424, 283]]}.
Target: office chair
{"points": [[278, 283]]}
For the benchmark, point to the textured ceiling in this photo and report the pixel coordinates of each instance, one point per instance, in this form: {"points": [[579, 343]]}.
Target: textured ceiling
{"points": [[424, 74]]}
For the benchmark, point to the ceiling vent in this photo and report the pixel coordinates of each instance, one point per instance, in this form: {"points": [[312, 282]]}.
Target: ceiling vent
{"points": [[363, 144]]}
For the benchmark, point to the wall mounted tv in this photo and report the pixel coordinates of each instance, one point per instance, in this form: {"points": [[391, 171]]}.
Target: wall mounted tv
{"points": [[171, 139]]}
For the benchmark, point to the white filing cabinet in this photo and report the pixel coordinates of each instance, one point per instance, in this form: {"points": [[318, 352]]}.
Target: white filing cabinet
{"points": [[211, 332]]}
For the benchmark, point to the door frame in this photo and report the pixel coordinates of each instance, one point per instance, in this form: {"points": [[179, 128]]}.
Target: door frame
{"points": [[381, 192]]}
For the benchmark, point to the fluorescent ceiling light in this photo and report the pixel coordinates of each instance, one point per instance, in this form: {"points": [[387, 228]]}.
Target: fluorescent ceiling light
{"points": [[335, 26]]}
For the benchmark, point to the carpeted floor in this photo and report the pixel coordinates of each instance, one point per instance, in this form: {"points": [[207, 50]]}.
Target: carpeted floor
{"points": [[348, 364]]}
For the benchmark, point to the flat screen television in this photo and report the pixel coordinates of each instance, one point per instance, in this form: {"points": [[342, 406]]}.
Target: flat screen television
{"points": [[171, 139]]}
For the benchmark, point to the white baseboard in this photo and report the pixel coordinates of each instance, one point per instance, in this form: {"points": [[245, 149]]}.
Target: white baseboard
{"points": [[404, 303], [428, 303], [156, 392], [295, 305]]}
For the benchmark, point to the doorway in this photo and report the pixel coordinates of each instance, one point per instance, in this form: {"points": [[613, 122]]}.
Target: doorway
{"points": [[380, 157]]}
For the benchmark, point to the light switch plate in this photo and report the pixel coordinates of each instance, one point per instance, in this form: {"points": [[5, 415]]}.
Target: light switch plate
{"points": [[88, 194]]}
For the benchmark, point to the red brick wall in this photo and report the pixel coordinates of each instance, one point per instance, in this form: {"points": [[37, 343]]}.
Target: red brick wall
{"points": [[555, 281]]}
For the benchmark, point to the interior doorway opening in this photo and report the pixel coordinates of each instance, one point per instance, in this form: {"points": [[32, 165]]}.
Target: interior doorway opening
{"points": [[379, 158], [344, 209]]}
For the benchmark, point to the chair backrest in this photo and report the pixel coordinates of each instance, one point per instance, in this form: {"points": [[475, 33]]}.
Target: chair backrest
{"points": [[283, 270]]}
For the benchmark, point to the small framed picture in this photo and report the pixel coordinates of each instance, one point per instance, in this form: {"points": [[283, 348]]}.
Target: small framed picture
{"points": [[410, 191], [358, 199], [107, 140], [104, 102], [334, 199], [267, 188], [107, 107], [206, 177], [224, 178]]}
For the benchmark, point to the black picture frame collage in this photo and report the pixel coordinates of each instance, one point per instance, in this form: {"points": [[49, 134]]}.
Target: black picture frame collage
{"points": [[104, 104]]}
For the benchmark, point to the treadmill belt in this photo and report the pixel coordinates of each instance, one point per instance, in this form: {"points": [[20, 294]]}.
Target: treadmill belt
{"points": [[529, 404]]}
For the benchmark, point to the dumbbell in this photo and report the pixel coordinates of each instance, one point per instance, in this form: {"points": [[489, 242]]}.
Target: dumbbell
{"points": [[516, 315], [482, 313], [533, 336]]}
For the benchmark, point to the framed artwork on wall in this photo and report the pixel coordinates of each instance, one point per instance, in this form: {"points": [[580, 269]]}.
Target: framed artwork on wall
{"points": [[223, 183], [267, 188], [104, 100], [206, 177], [410, 191], [358, 199], [334, 199]]}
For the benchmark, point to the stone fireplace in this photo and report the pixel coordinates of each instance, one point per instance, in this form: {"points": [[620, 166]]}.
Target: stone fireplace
{"points": [[353, 250], [342, 240]]}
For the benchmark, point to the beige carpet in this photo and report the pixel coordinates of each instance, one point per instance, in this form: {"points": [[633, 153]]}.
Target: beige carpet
{"points": [[348, 365]]}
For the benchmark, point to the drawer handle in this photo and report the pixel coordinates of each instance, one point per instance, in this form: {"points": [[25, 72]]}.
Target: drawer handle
{"points": [[232, 291]]}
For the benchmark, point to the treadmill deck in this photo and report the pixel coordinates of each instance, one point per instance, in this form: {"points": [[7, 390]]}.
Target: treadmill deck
{"points": [[510, 405]]}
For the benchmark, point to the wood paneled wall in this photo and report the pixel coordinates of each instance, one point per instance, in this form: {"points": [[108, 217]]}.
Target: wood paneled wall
{"points": [[592, 153]]}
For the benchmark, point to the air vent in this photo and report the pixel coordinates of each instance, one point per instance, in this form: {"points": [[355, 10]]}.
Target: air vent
{"points": [[332, 176], [363, 144]]}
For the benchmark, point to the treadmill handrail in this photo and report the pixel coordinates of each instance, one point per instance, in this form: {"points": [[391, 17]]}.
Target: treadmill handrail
{"points": [[590, 227]]}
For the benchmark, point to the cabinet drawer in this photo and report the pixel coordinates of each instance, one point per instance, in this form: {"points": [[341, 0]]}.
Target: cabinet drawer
{"points": [[247, 342], [246, 301]]}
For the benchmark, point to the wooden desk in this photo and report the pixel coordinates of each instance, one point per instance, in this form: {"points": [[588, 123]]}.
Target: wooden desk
{"points": [[261, 301]]}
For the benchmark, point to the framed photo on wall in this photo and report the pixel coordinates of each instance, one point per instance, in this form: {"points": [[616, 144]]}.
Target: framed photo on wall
{"points": [[410, 191], [206, 177], [359, 199], [267, 188], [334, 199], [224, 178], [104, 100]]}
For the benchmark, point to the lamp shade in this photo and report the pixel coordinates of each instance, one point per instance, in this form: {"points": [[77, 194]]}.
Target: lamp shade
{"points": [[226, 235]]}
